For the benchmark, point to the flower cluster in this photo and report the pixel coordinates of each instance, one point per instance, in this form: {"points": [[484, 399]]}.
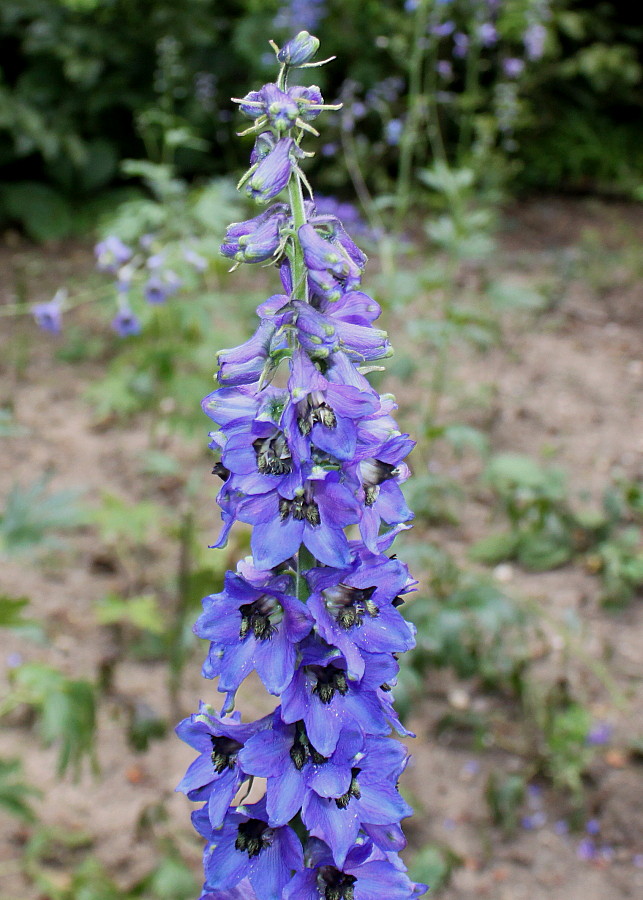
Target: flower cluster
{"points": [[305, 448], [147, 267]]}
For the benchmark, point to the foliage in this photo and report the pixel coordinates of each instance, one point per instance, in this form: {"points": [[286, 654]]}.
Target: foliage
{"points": [[31, 513], [88, 84], [66, 709], [546, 531], [464, 621], [14, 795]]}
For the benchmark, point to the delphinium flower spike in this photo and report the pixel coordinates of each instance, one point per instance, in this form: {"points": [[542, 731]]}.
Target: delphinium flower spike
{"points": [[315, 609]]}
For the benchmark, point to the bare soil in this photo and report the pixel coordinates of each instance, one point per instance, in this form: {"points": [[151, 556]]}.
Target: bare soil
{"points": [[565, 385]]}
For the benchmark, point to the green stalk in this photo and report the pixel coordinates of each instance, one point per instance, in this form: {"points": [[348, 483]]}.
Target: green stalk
{"points": [[409, 135], [296, 195]]}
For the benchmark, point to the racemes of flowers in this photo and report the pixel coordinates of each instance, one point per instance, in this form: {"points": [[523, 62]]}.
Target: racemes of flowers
{"points": [[306, 448]]}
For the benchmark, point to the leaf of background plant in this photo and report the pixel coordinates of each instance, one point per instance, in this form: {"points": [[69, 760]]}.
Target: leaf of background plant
{"points": [[495, 548], [31, 514], [143, 612], [67, 710], [14, 794], [430, 866]]}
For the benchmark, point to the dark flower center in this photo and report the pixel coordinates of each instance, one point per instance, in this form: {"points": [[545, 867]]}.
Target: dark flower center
{"points": [[253, 837], [302, 750], [374, 472], [336, 885], [349, 604], [255, 617], [353, 791], [317, 410], [329, 679], [300, 509], [273, 455], [224, 752]]}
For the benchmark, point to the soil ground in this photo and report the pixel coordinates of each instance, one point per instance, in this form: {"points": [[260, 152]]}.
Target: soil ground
{"points": [[566, 385]]}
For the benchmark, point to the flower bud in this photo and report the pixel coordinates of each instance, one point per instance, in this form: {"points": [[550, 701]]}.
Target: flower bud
{"points": [[273, 172], [299, 50]]}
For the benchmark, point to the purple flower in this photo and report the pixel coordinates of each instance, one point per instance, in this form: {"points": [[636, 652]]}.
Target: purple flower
{"points": [[305, 448], [393, 132], [111, 254], [125, 323], [247, 847], [355, 609], [257, 239], [586, 850], [443, 29], [273, 172], [48, 316], [534, 40], [159, 287], [487, 34], [252, 628], [299, 50], [358, 790], [592, 826], [316, 515], [365, 875], [322, 695], [513, 67], [460, 44], [195, 259], [215, 775], [599, 734]]}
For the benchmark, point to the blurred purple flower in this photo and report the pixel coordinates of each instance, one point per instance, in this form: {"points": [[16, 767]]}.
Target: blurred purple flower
{"points": [[599, 734], [443, 29], [460, 45], [592, 826], [513, 67], [444, 69], [586, 850], [534, 40], [393, 132], [561, 827], [48, 315], [125, 323], [195, 259], [160, 287], [111, 253], [488, 34]]}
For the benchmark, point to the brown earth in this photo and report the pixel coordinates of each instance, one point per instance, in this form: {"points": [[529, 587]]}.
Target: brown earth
{"points": [[566, 385]]}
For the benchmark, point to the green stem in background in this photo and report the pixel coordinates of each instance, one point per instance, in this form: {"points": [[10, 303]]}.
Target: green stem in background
{"points": [[471, 92], [385, 242], [433, 127], [410, 133], [177, 649]]}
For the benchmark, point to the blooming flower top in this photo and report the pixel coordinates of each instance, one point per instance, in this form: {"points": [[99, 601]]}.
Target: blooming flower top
{"points": [[314, 610]]}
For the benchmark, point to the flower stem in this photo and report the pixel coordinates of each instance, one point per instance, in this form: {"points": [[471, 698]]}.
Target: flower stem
{"points": [[299, 279]]}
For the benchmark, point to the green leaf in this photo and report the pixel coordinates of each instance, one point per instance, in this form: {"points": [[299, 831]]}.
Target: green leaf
{"points": [[14, 794], [430, 866], [42, 211], [495, 548], [505, 795], [541, 552], [508, 471], [31, 514], [143, 612], [66, 707]]}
